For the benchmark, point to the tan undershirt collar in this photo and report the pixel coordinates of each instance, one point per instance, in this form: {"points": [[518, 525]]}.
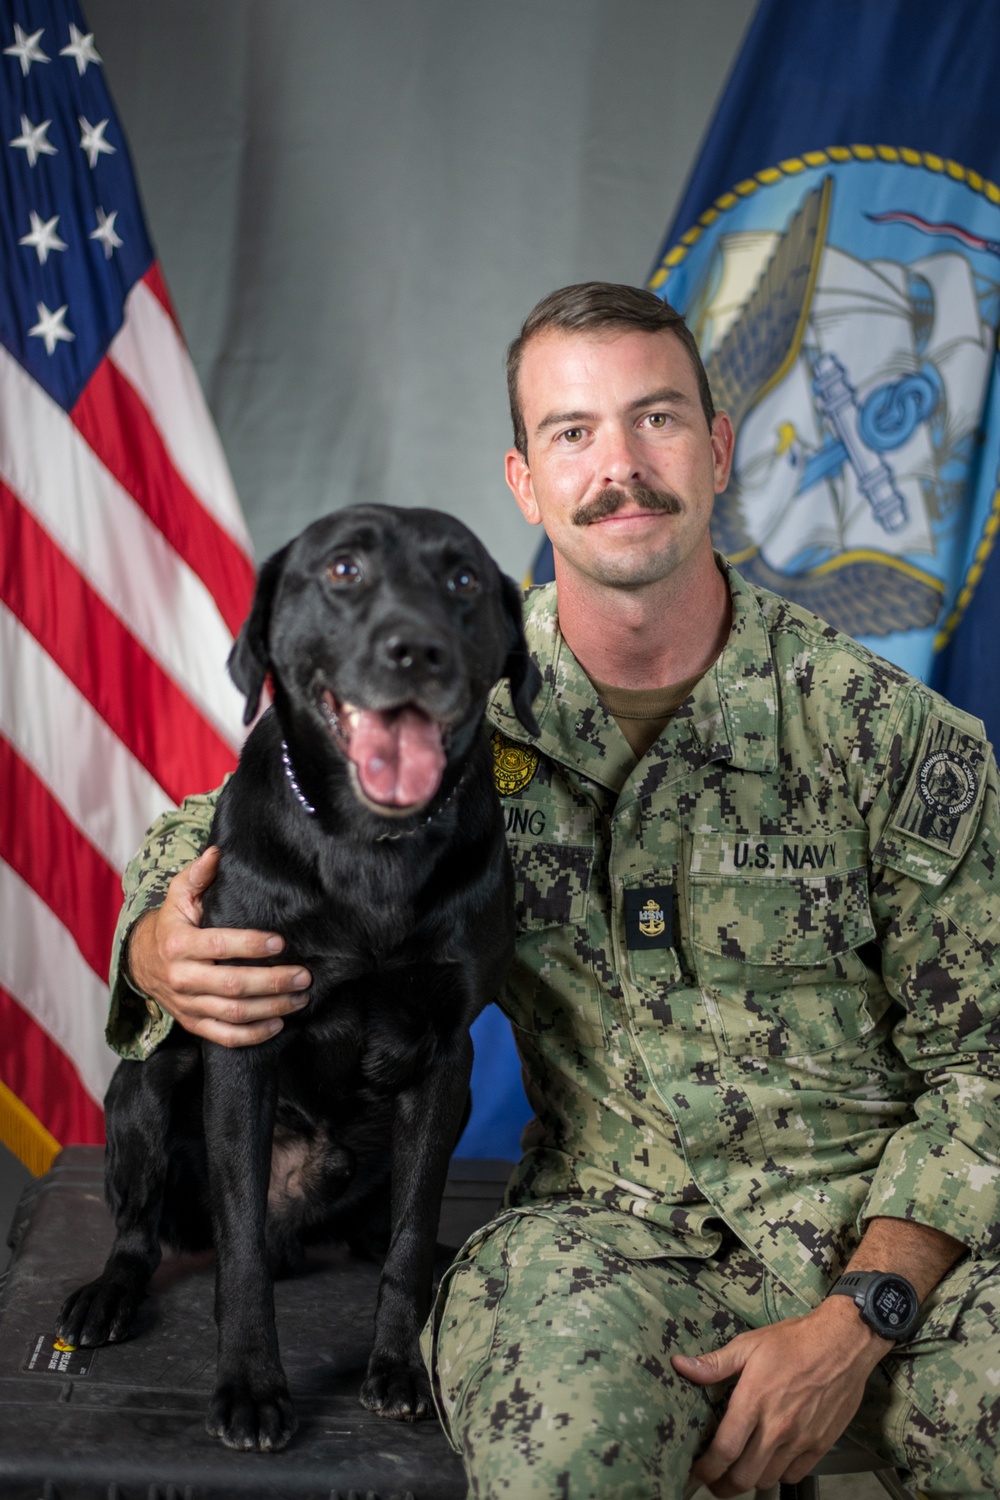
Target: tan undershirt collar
{"points": [[642, 714]]}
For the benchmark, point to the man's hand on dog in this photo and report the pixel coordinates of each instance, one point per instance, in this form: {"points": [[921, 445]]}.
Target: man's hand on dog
{"points": [[189, 970]]}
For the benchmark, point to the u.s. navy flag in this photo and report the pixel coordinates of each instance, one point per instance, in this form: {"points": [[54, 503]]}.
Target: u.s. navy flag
{"points": [[837, 255], [124, 573]]}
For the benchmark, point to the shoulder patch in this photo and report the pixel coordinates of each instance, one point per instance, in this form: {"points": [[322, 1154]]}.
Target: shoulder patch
{"points": [[514, 765], [940, 802]]}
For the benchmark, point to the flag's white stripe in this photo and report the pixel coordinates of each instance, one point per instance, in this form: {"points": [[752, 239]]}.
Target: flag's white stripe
{"points": [[149, 352], [87, 769], [41, 966], [124, 557]]}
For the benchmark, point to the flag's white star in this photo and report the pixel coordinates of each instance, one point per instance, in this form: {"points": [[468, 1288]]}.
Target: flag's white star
{"points": [[92, 140], [105, 232], [26, 49], [81, 47], [32, 140], [50, 327], [43, 237]]}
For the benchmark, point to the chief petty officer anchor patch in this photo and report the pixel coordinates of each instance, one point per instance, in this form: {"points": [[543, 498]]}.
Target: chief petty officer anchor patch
{"points": [[649, 917]]}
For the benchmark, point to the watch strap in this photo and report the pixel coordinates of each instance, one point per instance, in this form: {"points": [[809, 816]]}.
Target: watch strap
{"points": [[854, 1284]]}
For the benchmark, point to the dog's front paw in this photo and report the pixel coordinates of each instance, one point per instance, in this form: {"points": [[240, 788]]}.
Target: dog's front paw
{"points": [[251, 1416], [102, 1312], [396, 1388]]}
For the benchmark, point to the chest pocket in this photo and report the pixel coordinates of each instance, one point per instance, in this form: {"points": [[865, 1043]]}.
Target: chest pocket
{"points": [[776, 925], [552, 851]]}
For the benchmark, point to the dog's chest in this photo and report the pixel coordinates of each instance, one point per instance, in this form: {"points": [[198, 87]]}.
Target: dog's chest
{"points": [[376, 1033]]}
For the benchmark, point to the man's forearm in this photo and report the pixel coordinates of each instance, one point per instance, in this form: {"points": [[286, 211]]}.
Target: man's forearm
{"points": [[174, 841], [922, 1254]]}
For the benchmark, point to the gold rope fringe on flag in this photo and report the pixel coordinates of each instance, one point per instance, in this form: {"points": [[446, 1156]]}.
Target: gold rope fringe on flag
{"points": [[25, 1135]]}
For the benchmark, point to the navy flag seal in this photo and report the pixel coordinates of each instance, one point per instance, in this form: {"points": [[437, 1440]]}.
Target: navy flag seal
{"points": [[846, 304]]}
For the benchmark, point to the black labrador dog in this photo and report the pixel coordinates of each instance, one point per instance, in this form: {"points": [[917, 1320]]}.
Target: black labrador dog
{"points": [[363, 825]]}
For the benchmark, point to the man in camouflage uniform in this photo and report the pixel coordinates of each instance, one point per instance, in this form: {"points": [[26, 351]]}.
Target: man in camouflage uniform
{"points": [[756, 991]]}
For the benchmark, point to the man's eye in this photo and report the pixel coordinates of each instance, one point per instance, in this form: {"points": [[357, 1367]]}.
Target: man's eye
{"points": [[658, 419], [572, 435], [343, 572], [463, 581]]}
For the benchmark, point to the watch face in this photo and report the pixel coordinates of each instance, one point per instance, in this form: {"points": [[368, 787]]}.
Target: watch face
{"points": [[892, 1304]]}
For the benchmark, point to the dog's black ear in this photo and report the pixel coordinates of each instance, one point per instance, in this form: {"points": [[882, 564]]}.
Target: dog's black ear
{"points": [[525, 678], [250, 659]]}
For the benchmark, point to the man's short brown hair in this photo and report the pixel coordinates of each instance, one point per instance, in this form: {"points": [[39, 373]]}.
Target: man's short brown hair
{"points": [[592, 305]]}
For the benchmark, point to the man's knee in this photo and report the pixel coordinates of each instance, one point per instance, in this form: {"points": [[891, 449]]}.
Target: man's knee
{"points": [[552, 1376], [933, 1407]]}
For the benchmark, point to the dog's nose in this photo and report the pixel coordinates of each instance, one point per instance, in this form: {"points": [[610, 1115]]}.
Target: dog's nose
{"points": [[415, 651]]}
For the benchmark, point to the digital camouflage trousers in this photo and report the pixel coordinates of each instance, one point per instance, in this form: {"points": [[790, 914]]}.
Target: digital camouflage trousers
{"points": [[549, 1349]]}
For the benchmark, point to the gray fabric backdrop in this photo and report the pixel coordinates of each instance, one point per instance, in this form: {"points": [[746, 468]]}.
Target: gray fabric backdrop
{"points": [[355, 202]]}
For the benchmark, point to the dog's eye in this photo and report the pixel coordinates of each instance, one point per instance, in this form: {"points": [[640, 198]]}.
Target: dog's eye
{"points": [[343, 572], [463, 581]]}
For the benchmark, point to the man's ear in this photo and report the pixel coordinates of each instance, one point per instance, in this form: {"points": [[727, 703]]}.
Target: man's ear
{"points": [[518, 477], [525, 678], [723, 447], [250, 659]]}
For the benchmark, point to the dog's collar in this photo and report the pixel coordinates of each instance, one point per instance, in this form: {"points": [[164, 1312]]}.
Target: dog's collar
{"points": [[286, 762], [380, 838], [407, 833]]}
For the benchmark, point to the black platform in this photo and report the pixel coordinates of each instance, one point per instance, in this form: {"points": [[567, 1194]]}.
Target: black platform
{"points": [[126, 1422]]}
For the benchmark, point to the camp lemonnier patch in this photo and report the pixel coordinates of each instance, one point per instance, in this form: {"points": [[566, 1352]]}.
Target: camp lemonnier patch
{"points": [[649, 917], [514, 765], [947, 785], [943, 793]]}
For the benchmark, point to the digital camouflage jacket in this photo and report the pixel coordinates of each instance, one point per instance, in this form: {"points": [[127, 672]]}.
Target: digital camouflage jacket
{"points": [[758, 974]]}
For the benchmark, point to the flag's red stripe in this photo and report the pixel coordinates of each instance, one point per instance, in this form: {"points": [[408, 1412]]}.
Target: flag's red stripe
{"points": [[154, 280], [118, 427], [58, 862], [87, 640], [41, 1075]]}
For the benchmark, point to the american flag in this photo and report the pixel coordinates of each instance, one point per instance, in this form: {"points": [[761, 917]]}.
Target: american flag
{"points": [[125, 568]]}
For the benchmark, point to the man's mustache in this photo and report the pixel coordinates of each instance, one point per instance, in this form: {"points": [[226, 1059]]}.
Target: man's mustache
{"points": [[611, 499]]}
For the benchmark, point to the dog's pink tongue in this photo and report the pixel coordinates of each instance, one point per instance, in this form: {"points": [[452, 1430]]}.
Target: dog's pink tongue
{"points": [[399, 756]]}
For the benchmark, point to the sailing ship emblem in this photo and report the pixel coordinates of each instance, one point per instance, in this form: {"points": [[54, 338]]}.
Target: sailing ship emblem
{"points": [[852, 342]]}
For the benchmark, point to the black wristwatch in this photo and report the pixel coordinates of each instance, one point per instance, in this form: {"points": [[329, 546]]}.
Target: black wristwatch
{"points": [[886, 1302]]}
